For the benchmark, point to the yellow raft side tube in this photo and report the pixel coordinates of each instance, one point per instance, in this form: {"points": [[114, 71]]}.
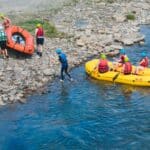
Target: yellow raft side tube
{"points": [[136, 80]]}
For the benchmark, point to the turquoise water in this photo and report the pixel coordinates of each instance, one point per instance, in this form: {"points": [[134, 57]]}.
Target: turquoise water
{"points": [[84, 114]]}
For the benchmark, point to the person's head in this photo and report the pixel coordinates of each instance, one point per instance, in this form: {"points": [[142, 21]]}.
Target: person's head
{"points": [[2, 16], [126, 59], [122, 51], [58, 50], [38, 25], [143, 54], [103, 56]]}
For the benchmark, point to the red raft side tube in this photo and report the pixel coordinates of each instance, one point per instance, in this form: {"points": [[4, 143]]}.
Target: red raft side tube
{"points": [[28, 47]]}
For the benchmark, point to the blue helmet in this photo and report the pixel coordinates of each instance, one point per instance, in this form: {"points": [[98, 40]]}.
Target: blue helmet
{"points": [[122, 51], [143, 54], [58, 50]]}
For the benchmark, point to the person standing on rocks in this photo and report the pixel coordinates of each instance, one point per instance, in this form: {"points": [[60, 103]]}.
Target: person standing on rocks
{"points": [[64, 64], [3, 40], [39, 34]]}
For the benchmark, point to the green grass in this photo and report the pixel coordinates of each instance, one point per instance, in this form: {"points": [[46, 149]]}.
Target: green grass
{"points": [[130, 16], [110, 1], [49, 28]]}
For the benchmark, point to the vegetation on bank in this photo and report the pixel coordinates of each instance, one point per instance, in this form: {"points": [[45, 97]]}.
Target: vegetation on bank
{"points": [[49, 28], [130, 16]]}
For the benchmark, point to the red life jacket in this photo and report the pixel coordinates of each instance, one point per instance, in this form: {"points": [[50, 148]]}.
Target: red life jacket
{"points": [[145, 62], [127, 68], [40, 32], [6, 23], [103, 66]]}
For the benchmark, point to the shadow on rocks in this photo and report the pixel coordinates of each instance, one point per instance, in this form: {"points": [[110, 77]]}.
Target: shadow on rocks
{"points": [[18, 55]]}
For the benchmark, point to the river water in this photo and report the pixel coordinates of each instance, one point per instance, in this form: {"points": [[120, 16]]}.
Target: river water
{"points": [[84, 114]]}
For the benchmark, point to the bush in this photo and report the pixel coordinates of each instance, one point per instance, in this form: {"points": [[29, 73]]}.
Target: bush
{"points": [[130, 16], [49, 28]]}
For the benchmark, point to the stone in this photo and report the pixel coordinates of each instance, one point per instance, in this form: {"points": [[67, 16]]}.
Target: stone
{"points": [[119, 18], [80, 42], [1, 102], [47, 72], [128, 41]]}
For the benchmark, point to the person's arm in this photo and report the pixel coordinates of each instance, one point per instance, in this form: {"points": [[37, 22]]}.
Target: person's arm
{"points": [[141, 62], [96, 67], [36, 30], [123, 68], [59, 58]]}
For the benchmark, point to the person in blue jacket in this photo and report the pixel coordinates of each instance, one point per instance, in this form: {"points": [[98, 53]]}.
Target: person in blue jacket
{"points": [[64, 64]]}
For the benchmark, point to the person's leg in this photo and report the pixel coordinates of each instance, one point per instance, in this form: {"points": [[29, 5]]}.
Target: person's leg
{"points": [[138, 69], [6, 53], [61, 73], [66, 71], [37, 45], [40, 50], [41, 42], [4, 50], [3, 53]]}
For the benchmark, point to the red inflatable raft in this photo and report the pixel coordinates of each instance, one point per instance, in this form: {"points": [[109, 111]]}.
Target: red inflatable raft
{"points": [[20, 40]]}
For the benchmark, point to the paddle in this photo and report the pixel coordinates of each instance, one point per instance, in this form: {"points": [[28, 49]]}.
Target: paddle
{"points": [[115, 77]]}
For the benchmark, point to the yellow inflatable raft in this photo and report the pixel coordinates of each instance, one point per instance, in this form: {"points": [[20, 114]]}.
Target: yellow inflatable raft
{"points": [[117, 77]]}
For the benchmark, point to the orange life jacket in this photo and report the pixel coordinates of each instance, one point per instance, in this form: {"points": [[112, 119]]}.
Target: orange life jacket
{"points": [[127, 68], [40, 32], [144, 62], [103, 66]]}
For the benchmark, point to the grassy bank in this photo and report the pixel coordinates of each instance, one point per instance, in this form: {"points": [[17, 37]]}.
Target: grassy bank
{"points": [[49, 28]]}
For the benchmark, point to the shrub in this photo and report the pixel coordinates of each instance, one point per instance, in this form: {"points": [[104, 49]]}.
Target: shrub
{"points": [[130, 16]]}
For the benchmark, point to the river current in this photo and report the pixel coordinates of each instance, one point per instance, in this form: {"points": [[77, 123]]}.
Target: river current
{"points": [[83, 114]]}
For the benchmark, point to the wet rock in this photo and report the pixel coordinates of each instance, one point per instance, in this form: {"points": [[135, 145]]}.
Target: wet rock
{"points": [[2, 102], [22, 100], [128, 41], [139, 38], [141, 42]]}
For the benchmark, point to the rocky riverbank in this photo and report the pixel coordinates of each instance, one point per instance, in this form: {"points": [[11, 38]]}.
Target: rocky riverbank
{"points": [[92, 26]]}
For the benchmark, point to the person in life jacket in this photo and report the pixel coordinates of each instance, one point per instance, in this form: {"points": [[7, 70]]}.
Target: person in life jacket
{"points": [[64, 64], [127, 66], [6, 21], [103, 64], [39, 34], [3, 40], [144, 62], [122, 57]]}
